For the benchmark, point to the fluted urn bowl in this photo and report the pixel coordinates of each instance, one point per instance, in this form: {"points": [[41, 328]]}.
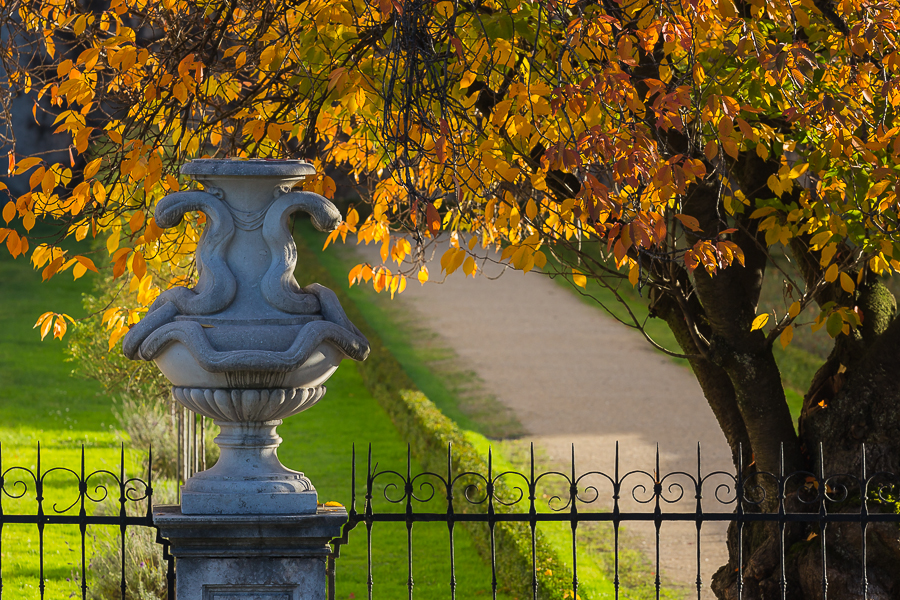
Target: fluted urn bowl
{"points": [[246, 346]]}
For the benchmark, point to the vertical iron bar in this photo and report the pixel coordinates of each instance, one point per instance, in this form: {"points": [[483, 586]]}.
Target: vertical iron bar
{"points": [[329, 573], [490, 499], [822, 524], [782, 496], [39, 488], [353, 480], [573, 498], [657, 520], [450, 520], [409, 520], [82, 526], [699, 516], [149, 515], [369, 580], [740, 521], [170, 566], [863, 518], [532, 513], [122, 513], [616, 488]]}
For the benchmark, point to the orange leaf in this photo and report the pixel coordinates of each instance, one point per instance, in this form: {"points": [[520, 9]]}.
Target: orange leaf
{"points": [[9, 211], [139, 265], [432, 218], [688, 221]]}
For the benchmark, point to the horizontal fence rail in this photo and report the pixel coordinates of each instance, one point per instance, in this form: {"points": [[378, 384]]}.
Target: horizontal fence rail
{"points": [[90, 490], [801, 497]]}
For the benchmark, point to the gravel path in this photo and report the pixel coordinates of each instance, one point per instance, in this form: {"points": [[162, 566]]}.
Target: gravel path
{"points": [[571, 374]]}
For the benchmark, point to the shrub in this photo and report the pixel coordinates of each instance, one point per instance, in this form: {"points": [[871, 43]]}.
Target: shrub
{"points": [[145, 568]]}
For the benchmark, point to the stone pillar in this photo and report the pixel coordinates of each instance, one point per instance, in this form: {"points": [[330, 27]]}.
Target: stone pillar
{"points": [[250, 557]]}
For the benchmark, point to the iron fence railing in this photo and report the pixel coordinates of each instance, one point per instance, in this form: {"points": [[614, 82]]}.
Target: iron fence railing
{"points": [[488, 499], [471, 497], [134, 504]]}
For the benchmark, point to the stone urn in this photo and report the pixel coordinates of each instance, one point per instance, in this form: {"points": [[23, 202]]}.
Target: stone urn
{"points": [[247, 346]]}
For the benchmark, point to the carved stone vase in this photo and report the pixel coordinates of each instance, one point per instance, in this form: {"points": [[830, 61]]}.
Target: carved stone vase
{"points": [[247, 346]]}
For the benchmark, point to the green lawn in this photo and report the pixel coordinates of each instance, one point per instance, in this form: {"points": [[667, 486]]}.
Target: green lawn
{"points": [[41, 401]]}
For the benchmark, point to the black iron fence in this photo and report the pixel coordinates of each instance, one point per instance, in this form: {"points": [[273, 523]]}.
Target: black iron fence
{"points": [[491, 500], [493, 497], [129, 499]]}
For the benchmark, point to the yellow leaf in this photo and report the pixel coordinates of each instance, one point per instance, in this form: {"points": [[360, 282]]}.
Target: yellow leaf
{"points": [[831, 273], [99, 192], [92, 168], [469, 266], [798, 170], [79, 270], [24, 164], [273, 132], [794, 310], [540, 259], [579, 279], [759, 322], [820, 239], [531, 209], [112, 242], [786, 336], [9, 211], [634, 274], [116, 335], [59, 327], [423, 275], [761, 212], [82, 231], [328, 187], [847, 282]]}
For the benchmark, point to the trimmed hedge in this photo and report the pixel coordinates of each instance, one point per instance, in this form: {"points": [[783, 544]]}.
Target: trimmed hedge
{"points": [[429, 432]]}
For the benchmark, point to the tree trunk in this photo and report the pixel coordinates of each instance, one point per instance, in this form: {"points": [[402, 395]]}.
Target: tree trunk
{"points": [[853, 402]]}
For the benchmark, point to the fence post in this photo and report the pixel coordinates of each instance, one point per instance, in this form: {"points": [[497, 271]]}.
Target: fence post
{"points": [[247, 347]]}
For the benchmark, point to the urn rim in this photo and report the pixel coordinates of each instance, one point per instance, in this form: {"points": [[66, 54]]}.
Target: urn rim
{"points": [[254, 167]]}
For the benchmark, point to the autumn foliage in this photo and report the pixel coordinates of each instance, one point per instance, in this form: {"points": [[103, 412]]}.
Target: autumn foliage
{"points": [[681, 147]]}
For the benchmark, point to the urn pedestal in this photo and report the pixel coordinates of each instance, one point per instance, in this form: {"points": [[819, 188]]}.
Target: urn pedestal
{"points": [[247, 346], [250, 557]]}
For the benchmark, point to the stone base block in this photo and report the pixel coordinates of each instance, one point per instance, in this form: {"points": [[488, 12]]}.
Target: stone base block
{"points": [[248, 578], [250, 557], [296, 503]]}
